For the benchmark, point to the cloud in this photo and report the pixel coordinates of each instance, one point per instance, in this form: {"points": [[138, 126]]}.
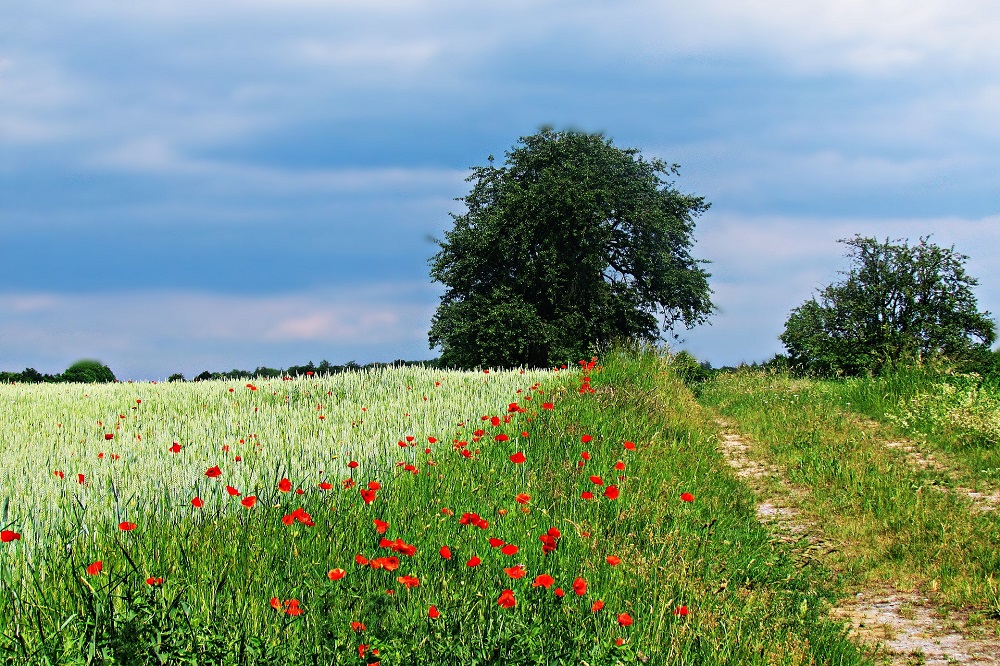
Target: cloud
{"points": [[147, 331]]}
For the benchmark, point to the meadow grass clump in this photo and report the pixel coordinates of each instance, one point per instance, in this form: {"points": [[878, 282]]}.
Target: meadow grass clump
{"points": [[396, 517]]}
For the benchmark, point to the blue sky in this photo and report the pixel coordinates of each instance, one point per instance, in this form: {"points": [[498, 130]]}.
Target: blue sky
{"points": [[188, 185]]}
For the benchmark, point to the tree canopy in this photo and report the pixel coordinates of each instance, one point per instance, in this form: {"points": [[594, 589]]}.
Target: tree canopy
{"points": [[569, 244], [898, 304], [88, 371]]}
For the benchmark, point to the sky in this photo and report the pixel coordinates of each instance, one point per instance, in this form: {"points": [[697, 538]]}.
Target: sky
{"points": [[189, 185]]}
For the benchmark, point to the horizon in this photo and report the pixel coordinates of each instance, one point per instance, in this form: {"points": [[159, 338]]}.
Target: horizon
{"points": [[187, 187]]}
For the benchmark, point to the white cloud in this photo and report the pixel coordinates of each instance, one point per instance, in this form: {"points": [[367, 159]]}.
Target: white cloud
{"points": [[156, 155], [130, 327]]}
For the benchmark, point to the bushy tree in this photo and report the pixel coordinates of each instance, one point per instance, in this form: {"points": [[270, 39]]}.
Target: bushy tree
{"points": [[570, 244], [898, 304], [88, 372]]}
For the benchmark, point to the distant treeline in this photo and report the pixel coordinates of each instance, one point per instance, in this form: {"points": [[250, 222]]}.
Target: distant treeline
{"points": [[324, 368], [86, 371], [95, 371]]}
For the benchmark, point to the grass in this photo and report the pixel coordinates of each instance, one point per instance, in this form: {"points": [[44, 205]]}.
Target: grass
{"points": [[890, 519], [687, 582]]}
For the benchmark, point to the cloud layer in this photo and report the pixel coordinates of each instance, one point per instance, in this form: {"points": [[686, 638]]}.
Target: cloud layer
{"points": [[225, 158]]}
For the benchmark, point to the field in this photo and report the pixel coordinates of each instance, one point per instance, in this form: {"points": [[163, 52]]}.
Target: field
{"points": [[414, 516]]}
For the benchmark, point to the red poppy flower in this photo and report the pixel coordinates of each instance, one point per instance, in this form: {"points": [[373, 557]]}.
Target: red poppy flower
{"points": [[507, 599], [303, 517], [358, 627], [433, 613], [559, 592], [154, 581], [249, 501], [681, 611], [522, 498], [548, 405], [495, 421], [213, 472], [613, 560], [109, 435], [380, 526], [585, 455], [543, 580], [368, 496], [624, 619], [517, 458], [361, 559], [352, 464], [596, 606], [445, 552], [587, 495], [374, 485], [292, 607], [390, 563], [586, 439], [611, 492], [516, 572], [580, 587], [126, 526], [61, 475], [620, 466], [232, 491], [474, 562], [197, 502], [81, 479], [324, 485], [509, 549], [496, 543], [630, 446], [336, 574], [596, 480], [502, 438], [95, 568], [176, 448], [251, 387], [284, 485], [6, 536], [687, 497], [409, 581], [348, 483]]}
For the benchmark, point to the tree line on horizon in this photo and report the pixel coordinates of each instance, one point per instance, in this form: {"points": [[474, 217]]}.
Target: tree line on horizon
{"points": [[95, 372]]}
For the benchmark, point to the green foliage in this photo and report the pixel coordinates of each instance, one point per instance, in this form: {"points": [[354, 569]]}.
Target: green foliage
{"points": [[88, 372], [899, 304], [687, 368], [571, 244]]}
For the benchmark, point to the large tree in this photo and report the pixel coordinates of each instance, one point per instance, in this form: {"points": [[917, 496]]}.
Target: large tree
{"points": [[568, 245], [898, 304]]}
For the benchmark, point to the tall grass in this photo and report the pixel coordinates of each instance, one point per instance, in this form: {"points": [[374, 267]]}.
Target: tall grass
{"points": [[313, 571]]}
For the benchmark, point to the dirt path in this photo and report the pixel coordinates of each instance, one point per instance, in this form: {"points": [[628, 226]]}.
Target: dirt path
{"points": [[906, 626], [923, 460]]}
